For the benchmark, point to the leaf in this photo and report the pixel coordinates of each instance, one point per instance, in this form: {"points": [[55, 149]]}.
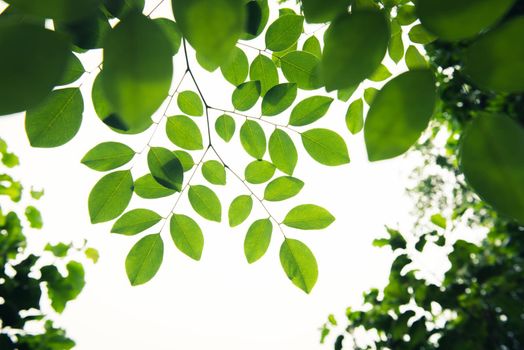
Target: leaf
{"points": [[302, 68], [147, 187], [186, 160], [492, 159], [439, 220], [257, 240], [172, 32], [187, 236], [110, 196], [144, 259], [265, 71], [184, 132], [284, 32], [92, 254], [257, 12], [308, 217], [135, 221], [190, 103], [361, 54], [138, 68], [310, 110], [299, 264], [212, 27], [253, 139], [34, 217], [225, 127], [381, 74], [239, 210], [282, 151], [325, 146], [236, 68], [494, 61], [320, 11], [414, 59], [87, 33], [57, 120], [279, 98], [121, 8], [454, 21], [57, 9], [74, 70], [418, 34], [312, 45], [399, 113], [355, 116], [108, 156], [259, 171], [214, 172], [406, 15], [205, 202], [369, 95], [345, 94], [282, 188], [396, 44], [246, 95], [165, 168]]}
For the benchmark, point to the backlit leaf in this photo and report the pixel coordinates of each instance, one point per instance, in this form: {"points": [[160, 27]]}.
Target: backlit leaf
{"points": [[355, 116], [302, 68], [165, 168], [190, 103], [184, 132], [246, 95], [147, 187], [312, 45], [214, 172], [172, 32], [108, 156], [264, 70], [144, 259], [135, 221], [299, 264], [279, 98], [257, 240], [284, 32], [225, 127], [310, 110], [325, 146], [282, 188], [239, 209], [205, 202], [186, 160], [282, 151], [253, 139], [235, 69], [110, 196], [187, 235], [308, 217], [259, 171], [321, 11]]}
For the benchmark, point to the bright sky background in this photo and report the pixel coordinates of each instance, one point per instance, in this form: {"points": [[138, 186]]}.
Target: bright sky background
{"points": [[220, 302]]}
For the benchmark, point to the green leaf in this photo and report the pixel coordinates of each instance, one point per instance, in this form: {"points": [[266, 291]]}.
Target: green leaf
{"points": [[310, 110], [282, 151], [264, 70], [308, 217], [86, 34], [454, 21], [135, 221], [187, 236], [205, 202], [144, 259], [186, 160], [190, 103], [184, 132], [212, 27], [494, 61], [57, 120], [325, 146], [138, 67], [381, 74], [225, 127], [239, 210], [110, 196], [92, 254], [279, 98], [236, 68], [34, 217], [108, 156], [345, 94], [439, 220], [57, 9], [414, 59], [406, 15], [369, 95], [396, 44], [121, 8], [259, 171], [282, 188], [59, 250], [246, 95], [257, 12], [165, 168], [320, 11], [74, 70], [253, 139], [299, 264], [355, 116], [172, 32], [492, 159], [147, 187], [399, 113], [349, 56], [257, 239], [302, 68], [418, 34], [312, 45], [284, 32], [214, 172]]}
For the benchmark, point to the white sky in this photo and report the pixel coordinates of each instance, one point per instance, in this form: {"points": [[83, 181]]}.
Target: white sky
{"points": [[220, 302]]}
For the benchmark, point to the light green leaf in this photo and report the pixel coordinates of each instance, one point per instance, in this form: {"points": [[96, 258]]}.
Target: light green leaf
{"points": [[308, 217], [399, 113], [302, 68], [57, 120], [320, 11], [253, 139], [92, 254], [439, 220], [279, 98], [144, 259], [225, 127], [110, 196], [345, 94], [147, 187], [184, 132], [239, 210], [165, 168], [246, 95], [186, 160], [214, 172], [312, 45], [108, 156], [282, 188], [257, 239], [187, 236], [236, 68], [205, 202], [310, 110], [284, 32], [418, 34], [264, 70], [282, 151], [325, 146], [135, 221], [414, 59], [355, 116], [369, 95], [382, 73], [34, 217], [172, 32], [299, 264], [190, 103], [73, 70], [259, 171]]}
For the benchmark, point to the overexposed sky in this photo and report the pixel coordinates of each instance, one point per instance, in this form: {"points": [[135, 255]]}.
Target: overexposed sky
{"points": [[221, 302]]}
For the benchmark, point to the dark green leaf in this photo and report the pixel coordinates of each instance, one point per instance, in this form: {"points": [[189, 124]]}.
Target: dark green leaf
{"points": [[225, 127], [257, 13], [279, 98], [108, 156], [74, 70], [320, 11], [257, 239], [57, 9], [186, 160], [187, 236], [325, 146], [246, 95], [253, 139], [135, 221], [282, 188], [184, 132], [284, 32], [165, 168], [282, 151], [310, 110], [308, 217], [239, 210], [205, 202], [396, 44], [144, 259], [414, 59], [190, 103], [299, 264], [259, 171], [418, 34], [110, 196], [172, 32], [214, 172]]}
